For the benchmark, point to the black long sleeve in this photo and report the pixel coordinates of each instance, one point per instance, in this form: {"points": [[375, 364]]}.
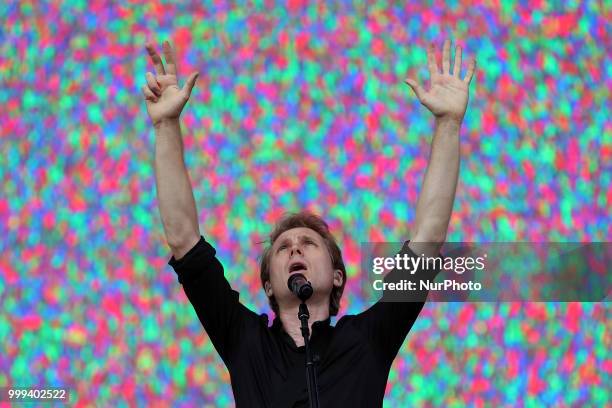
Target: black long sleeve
{"points": [[215, 302], [388, 321]]}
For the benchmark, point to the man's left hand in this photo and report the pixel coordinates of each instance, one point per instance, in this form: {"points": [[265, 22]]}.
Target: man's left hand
{"points": [[447, 97]]}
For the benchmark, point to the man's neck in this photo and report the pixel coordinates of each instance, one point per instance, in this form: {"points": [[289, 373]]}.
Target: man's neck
{"points": [[289, 318]]}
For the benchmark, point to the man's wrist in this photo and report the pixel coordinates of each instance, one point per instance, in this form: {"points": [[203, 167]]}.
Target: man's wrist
{"points": [[167, 122], [448, 121]]}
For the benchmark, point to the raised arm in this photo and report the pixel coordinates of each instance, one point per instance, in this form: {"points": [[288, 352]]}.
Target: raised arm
{"points": [[447, 99], [193, 258], [387, 322], [165, 101]]}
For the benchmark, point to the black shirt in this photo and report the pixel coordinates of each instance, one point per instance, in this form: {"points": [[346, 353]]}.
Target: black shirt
{"points": [[266, 367]]}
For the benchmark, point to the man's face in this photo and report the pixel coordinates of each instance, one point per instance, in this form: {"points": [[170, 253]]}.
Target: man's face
{"points": [[301, 250]]}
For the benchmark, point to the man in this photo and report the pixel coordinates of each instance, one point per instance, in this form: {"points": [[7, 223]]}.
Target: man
{"points": [[266, 364]]}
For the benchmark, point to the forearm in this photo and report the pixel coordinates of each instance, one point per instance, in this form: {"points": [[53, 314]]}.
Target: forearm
{"points": [[174, 192], [435, 203]]}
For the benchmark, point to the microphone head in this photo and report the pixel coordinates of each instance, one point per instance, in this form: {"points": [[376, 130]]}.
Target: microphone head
{"points": [[294, 279], [298, 284]]}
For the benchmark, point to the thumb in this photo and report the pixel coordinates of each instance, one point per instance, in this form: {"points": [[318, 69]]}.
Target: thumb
{"points": [[418, 90], [190, 83]]}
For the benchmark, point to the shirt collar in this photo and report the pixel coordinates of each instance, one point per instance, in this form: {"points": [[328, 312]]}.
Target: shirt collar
{"points": [[277, 324]]}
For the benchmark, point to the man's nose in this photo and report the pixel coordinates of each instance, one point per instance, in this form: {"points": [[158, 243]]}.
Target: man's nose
{"points": [[295, 249]]}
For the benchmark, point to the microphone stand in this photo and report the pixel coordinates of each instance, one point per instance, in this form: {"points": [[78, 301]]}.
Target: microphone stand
{"points": [[311, 374]]}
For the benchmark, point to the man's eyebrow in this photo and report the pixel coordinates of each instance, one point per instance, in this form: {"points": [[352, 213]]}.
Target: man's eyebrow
{"points": [[281, 241], [302, 237], [308, 236]]}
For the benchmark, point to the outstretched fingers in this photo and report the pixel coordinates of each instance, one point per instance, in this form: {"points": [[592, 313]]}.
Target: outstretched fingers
{"points": [[189, 84], [418, 89], [157, 61], [457, 66], [431, 61], [470, 71], [170, 60], [446, 57]]}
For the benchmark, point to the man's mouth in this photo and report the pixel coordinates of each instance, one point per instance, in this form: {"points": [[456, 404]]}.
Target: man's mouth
{"points": [[297, 267]]}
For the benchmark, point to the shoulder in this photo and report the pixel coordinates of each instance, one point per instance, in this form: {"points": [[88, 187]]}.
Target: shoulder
{"points": [[348, 322]]}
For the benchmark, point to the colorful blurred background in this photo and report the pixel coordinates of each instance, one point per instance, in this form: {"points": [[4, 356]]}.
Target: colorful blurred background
{"points": [[299, 105]]}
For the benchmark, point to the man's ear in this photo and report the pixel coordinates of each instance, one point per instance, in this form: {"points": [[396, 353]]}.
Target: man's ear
{"points": [[338, 278], [268, 289]]}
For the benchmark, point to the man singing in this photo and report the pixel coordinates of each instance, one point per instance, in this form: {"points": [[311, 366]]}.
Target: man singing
{"points": [[267, 364]]}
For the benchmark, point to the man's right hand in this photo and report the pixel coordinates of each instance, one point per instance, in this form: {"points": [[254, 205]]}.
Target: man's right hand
{"points": [[164, 99]]}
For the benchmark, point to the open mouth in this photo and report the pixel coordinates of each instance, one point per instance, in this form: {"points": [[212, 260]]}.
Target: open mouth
{"points": [[296, 267]]}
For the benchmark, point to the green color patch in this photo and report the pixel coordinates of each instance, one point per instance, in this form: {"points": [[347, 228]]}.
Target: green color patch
{"points": [[550, 64], [145, 360], [95, 114], [506, 230], [513, 333]]}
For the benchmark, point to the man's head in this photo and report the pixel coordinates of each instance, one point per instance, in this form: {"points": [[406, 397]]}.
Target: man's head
{"points": [[302, 243]]}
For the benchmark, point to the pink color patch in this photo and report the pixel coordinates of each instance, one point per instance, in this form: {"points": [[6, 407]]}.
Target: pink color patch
{"points": [[572, 320], [112, 305], [30, 322]]}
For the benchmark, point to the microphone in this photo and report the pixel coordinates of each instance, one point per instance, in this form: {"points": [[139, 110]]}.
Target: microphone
{"points": [[298, 284]]}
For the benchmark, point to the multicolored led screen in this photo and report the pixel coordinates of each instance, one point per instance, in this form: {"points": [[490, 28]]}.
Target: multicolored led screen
{"points": [[299, 105]]}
